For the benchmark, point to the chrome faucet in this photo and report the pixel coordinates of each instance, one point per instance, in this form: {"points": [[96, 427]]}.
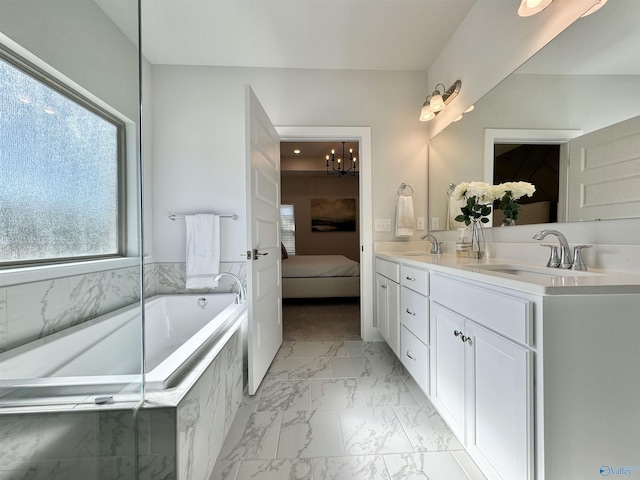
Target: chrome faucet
{"points": [[565, 250], [435, 245], [242, 292]]}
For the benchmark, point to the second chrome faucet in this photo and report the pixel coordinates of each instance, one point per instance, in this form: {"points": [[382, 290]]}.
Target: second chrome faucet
{"points": [[563, 260]]}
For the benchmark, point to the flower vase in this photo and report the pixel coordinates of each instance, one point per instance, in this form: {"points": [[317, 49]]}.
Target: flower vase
{"points": [[508, 222], [478, 248]]}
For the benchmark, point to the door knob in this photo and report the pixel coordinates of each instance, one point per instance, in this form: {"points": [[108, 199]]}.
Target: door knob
{"points": [[256, 254]]}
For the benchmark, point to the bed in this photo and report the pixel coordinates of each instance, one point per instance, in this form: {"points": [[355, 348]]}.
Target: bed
{"points": [[320, 276]]}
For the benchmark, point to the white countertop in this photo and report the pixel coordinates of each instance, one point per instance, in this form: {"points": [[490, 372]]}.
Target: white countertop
{"points": [[565, 283]]}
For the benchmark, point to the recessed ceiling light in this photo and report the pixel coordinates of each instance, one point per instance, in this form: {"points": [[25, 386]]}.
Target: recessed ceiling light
{"points": [[297, 151]]}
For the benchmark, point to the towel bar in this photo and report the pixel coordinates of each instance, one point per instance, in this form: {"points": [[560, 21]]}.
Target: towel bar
{"points": [[403, 186], [176, 217]]}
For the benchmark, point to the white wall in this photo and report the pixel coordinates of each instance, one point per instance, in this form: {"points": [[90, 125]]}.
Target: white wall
{"points": [[198, 138]]}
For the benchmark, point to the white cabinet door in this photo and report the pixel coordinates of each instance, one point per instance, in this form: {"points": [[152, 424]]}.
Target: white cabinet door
{"points": [[393, 316], [499, 423], [382, 322], [448, 366], [388, 311]]}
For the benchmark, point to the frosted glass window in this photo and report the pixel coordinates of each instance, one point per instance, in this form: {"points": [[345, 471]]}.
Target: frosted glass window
{"points": [[58, 173], [288, 228]]}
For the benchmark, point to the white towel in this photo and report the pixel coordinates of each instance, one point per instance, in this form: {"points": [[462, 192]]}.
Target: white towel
{"points": [[404, 217], [203, 250]]}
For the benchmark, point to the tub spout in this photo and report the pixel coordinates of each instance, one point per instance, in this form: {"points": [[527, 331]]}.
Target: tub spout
{"points": [[242, 292]]}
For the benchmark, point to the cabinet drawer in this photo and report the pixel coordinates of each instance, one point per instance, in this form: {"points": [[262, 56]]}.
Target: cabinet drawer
{"points": [[388, 269], [415, 279], [414, 313], [502, 313], [415, 358]]}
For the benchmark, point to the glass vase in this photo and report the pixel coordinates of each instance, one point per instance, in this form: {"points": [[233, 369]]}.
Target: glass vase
{"points": [[508, 222], [478, 247]]}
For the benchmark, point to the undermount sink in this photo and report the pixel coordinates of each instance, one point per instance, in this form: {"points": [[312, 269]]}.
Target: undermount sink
{"points": [[533, 271]]}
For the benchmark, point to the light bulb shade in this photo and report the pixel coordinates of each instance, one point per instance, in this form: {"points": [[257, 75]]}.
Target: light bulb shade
{"points": [[436, 103], [531, 7], [426, 114]]}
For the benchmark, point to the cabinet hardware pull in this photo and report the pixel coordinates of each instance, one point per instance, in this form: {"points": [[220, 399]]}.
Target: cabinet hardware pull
{"points": [[410, 312], [410, 355], [411, 278], [466, 339], [457, 333]]}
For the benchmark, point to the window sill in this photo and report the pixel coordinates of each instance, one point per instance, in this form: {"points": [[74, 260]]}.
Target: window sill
{"points": [[16, 276]]}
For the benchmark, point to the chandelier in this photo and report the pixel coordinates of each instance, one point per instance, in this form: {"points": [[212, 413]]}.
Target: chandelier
{"points": [[341, 165]]}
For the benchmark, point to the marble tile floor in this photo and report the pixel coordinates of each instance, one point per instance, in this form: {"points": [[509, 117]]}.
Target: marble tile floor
{"points": [[340, 410]]}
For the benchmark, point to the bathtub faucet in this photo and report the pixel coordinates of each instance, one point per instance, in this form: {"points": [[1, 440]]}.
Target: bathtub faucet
{"points": [[242, 292]]}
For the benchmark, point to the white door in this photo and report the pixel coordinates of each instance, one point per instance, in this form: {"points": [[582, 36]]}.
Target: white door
{"points": [[604, 173], [264, 287]]}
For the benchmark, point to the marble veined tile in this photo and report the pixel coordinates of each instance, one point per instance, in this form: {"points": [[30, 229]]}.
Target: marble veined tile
{"points": [[417, 392], [252, 436], [373, 431], [386, 392], [311, 349], [366, 467], [365, 349], [311, 433], [285, 395], [351, 367], [424, 466], [426, 430], [299, 368], [387, 366], [289, 469], [3, 319], [336, 393], [225, 471]]}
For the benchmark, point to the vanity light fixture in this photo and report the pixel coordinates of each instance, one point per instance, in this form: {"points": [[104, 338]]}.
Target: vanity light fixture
{"points": [[531, 7], [438, 100], [595, 8]]}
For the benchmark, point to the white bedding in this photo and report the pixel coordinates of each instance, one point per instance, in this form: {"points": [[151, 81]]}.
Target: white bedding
{"points": [[309, 266]]}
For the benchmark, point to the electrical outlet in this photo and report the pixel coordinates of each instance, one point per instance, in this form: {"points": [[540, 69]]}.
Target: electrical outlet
{"points": [[435, 223], [383, 225], [420, 223]]}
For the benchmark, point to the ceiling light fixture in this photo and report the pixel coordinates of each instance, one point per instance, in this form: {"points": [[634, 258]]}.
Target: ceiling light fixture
{"points": [[595, 8], [531, 7], [297, 151], [341, 168], [437, 101]]}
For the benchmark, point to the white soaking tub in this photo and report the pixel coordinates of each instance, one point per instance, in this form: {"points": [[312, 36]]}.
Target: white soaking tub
{"points": [[103, 356]]}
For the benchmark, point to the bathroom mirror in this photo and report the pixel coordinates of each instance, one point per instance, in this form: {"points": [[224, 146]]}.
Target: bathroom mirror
{"points": [[70, 89], [580, 83]]}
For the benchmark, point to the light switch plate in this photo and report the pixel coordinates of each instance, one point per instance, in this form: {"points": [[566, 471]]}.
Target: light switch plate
{"points": [[383, 225], [435, 223], [420, 223]]}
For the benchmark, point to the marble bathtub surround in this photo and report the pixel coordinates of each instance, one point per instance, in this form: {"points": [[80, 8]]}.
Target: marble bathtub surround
{"points": [[309, 421], [35, 310], [170, 278]]}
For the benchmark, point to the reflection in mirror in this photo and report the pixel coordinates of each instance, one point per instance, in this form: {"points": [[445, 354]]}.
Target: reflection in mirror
{"points": [[70, 295], [552, 99]]}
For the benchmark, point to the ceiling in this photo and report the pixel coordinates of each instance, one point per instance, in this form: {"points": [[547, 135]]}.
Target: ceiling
{"points": [[315, 34], [312, 156]]}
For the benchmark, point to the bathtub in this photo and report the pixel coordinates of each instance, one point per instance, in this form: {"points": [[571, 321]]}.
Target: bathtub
{"points": [[102, 356]]}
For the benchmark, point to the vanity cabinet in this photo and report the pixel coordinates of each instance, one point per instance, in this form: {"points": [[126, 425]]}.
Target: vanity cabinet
{"points": [[481, 376], [414, 320], [388, 302]]}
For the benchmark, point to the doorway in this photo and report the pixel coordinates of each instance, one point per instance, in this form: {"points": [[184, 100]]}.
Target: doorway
{"points": [[361, 135], [320, 205]]}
